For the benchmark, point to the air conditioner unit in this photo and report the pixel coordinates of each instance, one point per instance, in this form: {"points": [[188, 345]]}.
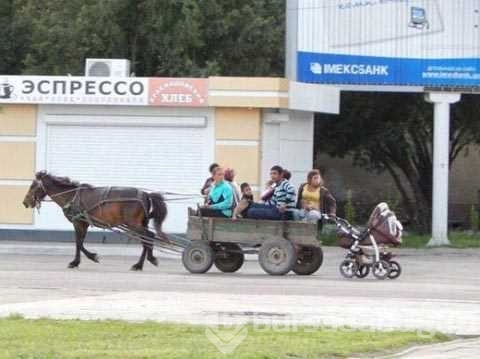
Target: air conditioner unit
{"points": [[107, 67]]}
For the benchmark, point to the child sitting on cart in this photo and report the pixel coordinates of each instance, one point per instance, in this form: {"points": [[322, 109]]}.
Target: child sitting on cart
{"points": [[245, 202]]}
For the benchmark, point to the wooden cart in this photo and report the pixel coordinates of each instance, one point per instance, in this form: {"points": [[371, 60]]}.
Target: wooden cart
{"points": [[282, 246]]}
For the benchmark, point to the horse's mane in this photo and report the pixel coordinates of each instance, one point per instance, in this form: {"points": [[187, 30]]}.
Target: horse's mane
{"points": [[61, 181]]}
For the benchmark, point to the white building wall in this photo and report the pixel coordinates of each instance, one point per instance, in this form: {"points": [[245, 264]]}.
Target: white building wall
{"points": [[287, 140], [148, 147]]}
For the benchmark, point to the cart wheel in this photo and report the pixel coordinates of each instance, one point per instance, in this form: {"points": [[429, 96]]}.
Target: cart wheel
{"points": [[277, 256], [198, 257], [395, 270], [362, 271], [381, 269], [348, 268], [309, 259], [231, 259]]}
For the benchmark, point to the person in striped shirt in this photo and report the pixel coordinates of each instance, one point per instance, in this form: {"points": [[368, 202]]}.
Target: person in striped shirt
{"points": [[282, 203]]}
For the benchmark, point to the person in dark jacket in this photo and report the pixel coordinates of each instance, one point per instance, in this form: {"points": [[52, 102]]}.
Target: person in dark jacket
{"points": [[313, 199]]}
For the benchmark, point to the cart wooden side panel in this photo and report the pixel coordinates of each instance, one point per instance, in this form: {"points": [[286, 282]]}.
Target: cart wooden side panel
{"points": [[251, 231]]}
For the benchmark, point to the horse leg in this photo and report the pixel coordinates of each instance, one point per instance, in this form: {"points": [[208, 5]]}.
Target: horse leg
{"points": [[80, 232], [147, 244], [150, 257], [158, 214], [139, 265], [90, 255]]}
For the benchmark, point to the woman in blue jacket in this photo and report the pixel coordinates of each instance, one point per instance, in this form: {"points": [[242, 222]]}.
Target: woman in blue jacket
{"points": [[220, 197]]}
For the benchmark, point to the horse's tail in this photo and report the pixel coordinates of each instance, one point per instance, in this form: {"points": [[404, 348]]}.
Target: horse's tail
{"points": [[158, 213]]}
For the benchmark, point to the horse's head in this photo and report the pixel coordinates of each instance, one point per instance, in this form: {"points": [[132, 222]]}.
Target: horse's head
{"points": [[36, 193]]}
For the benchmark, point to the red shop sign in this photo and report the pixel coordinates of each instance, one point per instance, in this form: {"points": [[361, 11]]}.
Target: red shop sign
{"points": [[184, 92]]}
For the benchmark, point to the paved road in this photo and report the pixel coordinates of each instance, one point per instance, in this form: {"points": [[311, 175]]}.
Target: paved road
{"points": [[438, 290]]}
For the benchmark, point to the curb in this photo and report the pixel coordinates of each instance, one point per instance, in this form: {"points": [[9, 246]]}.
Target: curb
{"points": [[447, 346]]}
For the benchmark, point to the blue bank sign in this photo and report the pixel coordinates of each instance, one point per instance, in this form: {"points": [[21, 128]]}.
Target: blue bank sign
{"points": [[389, 42]]}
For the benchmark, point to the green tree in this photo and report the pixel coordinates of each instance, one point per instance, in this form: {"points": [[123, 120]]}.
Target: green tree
{"points": [[245, 37], [6, 40], [474, 219], [61, 34], [14, 40], [350, 213], [161, 38], [394, 133]]}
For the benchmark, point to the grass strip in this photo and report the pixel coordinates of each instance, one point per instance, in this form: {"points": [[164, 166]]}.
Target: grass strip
{"points": [[45, 338]]}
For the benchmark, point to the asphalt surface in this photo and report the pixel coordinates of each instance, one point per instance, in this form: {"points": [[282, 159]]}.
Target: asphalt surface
{"points": [[439, 290]]}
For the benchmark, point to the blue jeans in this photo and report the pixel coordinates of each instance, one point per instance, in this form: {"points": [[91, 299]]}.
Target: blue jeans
{"points": [[262, 211], [209, 212], [312, 216]]}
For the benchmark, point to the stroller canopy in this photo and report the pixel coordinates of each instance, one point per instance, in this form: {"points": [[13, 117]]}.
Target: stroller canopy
{"points": [[384, 225]]}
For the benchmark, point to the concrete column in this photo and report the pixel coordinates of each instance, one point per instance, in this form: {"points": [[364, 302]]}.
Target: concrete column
{"points": [[291, 34], [287, 140], [441, 147]]}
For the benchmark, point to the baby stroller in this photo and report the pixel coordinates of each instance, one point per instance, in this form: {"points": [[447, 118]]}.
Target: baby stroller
{"points": [[367, 250]]}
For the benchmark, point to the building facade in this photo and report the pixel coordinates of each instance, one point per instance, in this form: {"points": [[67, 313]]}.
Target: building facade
{"points": [[155, 133]]}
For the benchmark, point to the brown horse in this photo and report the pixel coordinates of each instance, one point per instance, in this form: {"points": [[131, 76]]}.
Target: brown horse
{"points": [[83, 205]]}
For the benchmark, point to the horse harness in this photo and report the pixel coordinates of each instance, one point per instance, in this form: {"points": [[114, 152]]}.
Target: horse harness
{"points": [[74, 210]]}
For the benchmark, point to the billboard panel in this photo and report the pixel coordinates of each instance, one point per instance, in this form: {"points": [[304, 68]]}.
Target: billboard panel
{"points": [[389, 42]]}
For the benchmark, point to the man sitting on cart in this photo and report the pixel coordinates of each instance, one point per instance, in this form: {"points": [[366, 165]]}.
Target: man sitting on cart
{"points": [[282, 203], [220, 197]]}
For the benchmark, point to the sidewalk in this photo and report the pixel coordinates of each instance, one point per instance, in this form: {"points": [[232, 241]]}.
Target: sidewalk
{"points": [[460, 348], [197, 307]]}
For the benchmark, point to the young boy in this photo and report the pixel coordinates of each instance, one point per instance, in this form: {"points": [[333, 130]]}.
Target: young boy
{"points": [[247, 199], [270, 186]]}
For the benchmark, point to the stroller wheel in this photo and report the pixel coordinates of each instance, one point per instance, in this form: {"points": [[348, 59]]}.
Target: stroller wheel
{"points": [[381, 269], [362, 271], [395, 270], [348, 268]]}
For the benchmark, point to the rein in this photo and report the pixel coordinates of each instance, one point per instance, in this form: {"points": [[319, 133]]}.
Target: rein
{"points": [[38, 201], [180, 196], [68, 191], [88, 207]]}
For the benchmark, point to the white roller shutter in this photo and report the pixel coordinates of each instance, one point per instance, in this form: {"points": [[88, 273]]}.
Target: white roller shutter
{"points": [[163, 158]]}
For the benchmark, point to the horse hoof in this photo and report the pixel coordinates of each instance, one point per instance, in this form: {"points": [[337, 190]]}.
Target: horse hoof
{"points": [[154, 261], [136, 267], [73, 265], [96, 258]]}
